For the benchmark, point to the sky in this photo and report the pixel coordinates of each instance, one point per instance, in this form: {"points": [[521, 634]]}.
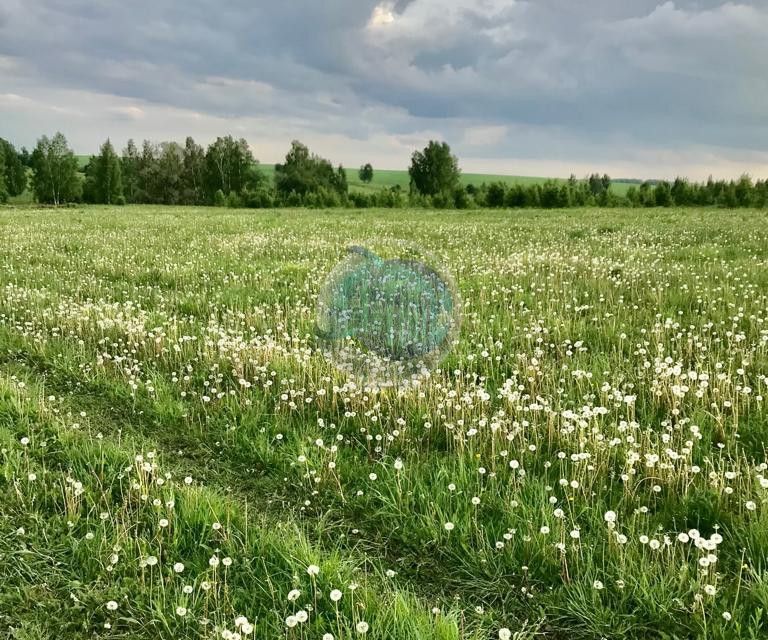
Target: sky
{"points": [[634, 88]]}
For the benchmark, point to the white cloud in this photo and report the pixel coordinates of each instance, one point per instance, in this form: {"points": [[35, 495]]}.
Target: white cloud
{"points": [[8, 64], [13, 100], [382, 15], [128, 112], [632, 87], [484, 136]]}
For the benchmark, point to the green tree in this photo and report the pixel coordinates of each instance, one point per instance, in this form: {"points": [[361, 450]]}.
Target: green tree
{"points": [[150, 186], [25, 157], [340, 183], [15, 171], [129, 170], [533, 196], [169, 173], [89, 185], [728, 196], [148, 175], [663, 194], [552, 196], [230, 166], [193, 177], [366, 173], [577, 192], [496, 194], [682, 193], [645, 194], [297, 174], [54, 166], [599, 188], [744, 191], [304, 173], [516, 196], [761, 193], [108, 180], [462, 198], [3, 187], [434, 170]]}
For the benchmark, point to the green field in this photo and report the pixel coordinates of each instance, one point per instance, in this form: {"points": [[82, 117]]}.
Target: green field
{"points": [[178, 461], [385, 178]]}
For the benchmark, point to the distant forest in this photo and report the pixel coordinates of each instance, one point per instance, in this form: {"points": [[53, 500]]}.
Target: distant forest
{"points": [[226, 174]]}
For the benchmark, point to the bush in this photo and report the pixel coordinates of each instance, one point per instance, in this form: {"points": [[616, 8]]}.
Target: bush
{"points": [[390, 198], [293, 199], [442, 200], [361, 200], [663, 194], [515, 197], [461, 198], [326, 198], [495, 194], [234, 201], [261, 198], [533, 196], [120, 201], [219, 199], [415, 199], [551, 197]]}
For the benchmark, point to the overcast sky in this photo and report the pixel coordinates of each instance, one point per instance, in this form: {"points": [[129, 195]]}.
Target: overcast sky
{"points": [[637, 88]]}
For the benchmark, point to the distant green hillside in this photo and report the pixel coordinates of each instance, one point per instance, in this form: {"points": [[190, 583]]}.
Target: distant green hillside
{"points": [[384, 178]]}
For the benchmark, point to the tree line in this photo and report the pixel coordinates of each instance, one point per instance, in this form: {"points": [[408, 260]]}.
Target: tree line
{"points": [[226, 174]]}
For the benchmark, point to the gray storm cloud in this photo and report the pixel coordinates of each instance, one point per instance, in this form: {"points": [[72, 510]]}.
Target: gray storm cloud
{"points": [[634, 86]]}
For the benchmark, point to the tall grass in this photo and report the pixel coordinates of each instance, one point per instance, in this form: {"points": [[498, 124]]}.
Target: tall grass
{"points": [[587, 462]]}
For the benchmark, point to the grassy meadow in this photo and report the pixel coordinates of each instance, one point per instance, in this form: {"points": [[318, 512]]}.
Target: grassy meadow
{"points": [[177, 461]]}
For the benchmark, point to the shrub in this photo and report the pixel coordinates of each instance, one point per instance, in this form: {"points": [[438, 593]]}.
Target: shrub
{"points": [[234, 201], [495, 195], [293, 199], [515, 196], [260, 198], [461, 198], [442, 200]]}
